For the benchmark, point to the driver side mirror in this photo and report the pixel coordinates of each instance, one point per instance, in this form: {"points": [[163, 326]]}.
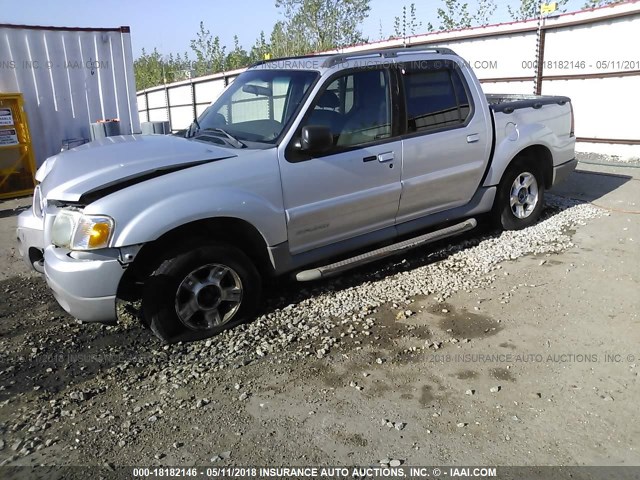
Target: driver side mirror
{"points": [[316, 139]]}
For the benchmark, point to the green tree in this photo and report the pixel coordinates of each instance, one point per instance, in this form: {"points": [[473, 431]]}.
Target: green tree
{"points": [[172, 68], [531, 9], [260, 49], [286, 41], [408, 23], [183, 66], [317, 25], [599, 3], [210, 54], [453, 15], [153, 69], [486, 9], [238, 57], [150, 70]]}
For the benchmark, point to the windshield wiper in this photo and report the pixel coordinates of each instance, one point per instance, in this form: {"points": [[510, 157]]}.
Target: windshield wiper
{"points": [[232, 140]]}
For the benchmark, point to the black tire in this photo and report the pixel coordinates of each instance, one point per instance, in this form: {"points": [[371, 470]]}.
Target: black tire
{"points": [[167, 286], [512, 218]]}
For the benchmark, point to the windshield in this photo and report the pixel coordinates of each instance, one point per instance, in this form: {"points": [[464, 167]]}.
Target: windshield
{"points": [[257, 105]]}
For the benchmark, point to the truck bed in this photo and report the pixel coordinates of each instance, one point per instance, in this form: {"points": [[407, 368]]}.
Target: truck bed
{"points": [[507, 103], [518, 119]]}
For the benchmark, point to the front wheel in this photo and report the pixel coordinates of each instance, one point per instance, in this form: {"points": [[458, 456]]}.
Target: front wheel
{"points": [[198, 292], [520, 196]]}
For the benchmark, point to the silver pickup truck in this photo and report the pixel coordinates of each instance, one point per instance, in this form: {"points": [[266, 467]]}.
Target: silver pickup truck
{"points": [[307, 165]]}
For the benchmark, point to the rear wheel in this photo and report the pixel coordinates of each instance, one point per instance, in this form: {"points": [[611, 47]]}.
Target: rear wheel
{"points": [[198, 292], [520, 196]]}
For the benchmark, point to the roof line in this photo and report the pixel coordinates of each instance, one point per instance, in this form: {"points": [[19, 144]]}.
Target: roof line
{"points": [[122, 29]]}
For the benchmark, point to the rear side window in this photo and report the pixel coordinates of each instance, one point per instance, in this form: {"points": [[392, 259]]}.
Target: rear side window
{"points": [[436, 99], [461, 95]]}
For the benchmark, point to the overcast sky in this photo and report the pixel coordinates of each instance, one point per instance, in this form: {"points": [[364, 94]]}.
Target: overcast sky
{"points": [[169, 26]]}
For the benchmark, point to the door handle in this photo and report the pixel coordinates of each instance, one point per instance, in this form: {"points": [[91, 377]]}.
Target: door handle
{"points": [[386, 157], [473, 138]]}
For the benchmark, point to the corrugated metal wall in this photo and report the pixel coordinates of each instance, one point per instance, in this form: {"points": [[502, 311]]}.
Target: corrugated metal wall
{"points": [[590, 56], [69, 77]]}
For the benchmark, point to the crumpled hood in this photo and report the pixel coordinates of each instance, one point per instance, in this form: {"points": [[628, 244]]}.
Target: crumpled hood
{"points": [[113, 160]]}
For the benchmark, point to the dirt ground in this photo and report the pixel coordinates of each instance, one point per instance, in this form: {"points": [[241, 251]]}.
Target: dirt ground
{"points": [[543, 371]]}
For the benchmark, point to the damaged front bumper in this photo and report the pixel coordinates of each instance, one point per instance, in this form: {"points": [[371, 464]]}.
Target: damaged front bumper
{"points": [[30, 233], [85, 284]]}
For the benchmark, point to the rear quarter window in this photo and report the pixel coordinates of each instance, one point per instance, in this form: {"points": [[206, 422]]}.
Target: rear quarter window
{"points": [[435, 99]]}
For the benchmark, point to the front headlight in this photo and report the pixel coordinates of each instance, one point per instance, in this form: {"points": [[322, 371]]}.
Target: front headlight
{"points": [[76, 231]]}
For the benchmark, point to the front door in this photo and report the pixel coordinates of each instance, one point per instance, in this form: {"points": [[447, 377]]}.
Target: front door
{"points": [[354, 188]]}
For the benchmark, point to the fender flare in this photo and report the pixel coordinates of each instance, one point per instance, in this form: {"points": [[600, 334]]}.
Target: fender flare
{"points": [[532, 135]]}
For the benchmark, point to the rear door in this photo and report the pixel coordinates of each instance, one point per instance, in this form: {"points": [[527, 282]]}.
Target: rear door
{"points": [[354, 188], [448, 140]]}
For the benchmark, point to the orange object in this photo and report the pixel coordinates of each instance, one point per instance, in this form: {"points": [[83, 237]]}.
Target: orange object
{"points": [[17, 163]]}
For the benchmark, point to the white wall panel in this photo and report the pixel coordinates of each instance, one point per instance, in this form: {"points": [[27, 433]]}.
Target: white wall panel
{"points": [[159, 115], [209, 91], [508, 87], [180, 95], [181, 117], [499, 57], [157, 99], [144, 116], [69, 79], [601, 108], [142, 102], [200, 109], [602, 47]]}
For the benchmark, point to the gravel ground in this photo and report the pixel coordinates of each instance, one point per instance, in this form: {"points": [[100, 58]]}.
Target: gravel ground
{"points": [[587, 157], [361, 369]]}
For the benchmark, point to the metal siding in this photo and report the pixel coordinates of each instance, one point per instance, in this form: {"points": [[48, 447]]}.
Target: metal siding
{"points": [[156, 99], [158, 115], [180, 95], [62, 96], [181, 117], [508, 51], [614, 119], [200, 109], [506, 87], [142, 103], [208, 91], [574, 44], [129, 82]]}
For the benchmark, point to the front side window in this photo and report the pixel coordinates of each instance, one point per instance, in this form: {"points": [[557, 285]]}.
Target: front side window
{"points": [[356, 107], [258, 104], [436, 99]]}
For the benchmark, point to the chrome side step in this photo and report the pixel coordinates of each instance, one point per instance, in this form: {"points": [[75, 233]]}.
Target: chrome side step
{"points": [[396, 248]]}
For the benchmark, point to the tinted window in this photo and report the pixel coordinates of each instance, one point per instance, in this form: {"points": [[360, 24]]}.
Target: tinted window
{"points": [[356, 107], [461, 95], [435, 99]]}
